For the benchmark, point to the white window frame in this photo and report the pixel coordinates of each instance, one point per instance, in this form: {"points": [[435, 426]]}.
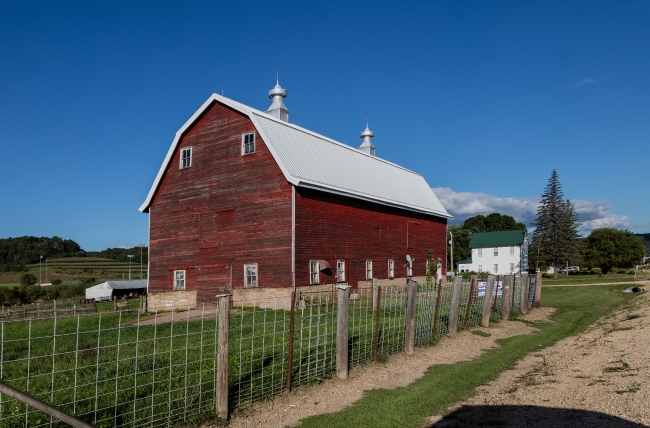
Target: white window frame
{"points": [[186, 158], [496, 268], [512, 267], [480, 268], [496, 251], [512, 251], [340, 270], [314, 272], [368, 269], [480, 252], [180, 280], [250, 280], [247, 145], [391, 268]]}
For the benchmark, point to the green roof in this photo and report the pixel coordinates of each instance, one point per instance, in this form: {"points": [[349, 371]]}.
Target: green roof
{"points": [[465, 262], [508, 238]]}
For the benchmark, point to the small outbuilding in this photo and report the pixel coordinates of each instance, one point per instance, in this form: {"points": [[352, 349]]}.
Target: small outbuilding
{"points": [[109, 289]]}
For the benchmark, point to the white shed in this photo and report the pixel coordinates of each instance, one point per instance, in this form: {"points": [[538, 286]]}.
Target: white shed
{"points": [[107, 289]]}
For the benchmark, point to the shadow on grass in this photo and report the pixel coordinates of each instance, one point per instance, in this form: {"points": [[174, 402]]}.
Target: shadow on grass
{"points": [[529, 416]]}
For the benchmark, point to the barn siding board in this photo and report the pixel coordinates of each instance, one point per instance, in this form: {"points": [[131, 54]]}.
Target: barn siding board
{"points": [[333, 227], [252, 200]]}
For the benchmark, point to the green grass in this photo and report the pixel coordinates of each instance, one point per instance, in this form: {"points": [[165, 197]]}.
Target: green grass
{"points": [[444, 385]]}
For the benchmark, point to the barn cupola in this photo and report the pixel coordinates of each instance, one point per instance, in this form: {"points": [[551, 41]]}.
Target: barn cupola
{"points": [[278, 109], [367, 146]]}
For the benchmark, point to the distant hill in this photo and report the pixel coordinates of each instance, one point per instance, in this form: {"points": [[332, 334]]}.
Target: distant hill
{"points": [[16, 253]]}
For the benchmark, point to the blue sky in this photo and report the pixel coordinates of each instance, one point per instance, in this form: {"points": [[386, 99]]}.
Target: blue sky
{"points": [[484, 99]]}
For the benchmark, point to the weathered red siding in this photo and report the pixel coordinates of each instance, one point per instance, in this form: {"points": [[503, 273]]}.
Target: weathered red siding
{"points": [[226, 208], [332, 227]]}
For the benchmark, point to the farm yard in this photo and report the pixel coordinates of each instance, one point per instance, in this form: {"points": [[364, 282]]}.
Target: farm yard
{"points": [[132, 369]]}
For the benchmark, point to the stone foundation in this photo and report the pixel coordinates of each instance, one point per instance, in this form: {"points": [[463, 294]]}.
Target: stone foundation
{"points": [[169, 300]]}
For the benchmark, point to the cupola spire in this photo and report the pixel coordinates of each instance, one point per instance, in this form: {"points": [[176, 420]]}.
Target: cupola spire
{"points": [[367, 146], [278, 109]]}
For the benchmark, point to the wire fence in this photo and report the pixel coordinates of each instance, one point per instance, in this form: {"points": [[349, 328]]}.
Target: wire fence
{"points": [[45, 310], [137, 368]]}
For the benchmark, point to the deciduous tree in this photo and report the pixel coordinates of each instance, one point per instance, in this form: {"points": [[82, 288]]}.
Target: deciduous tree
{"points": [[611, 248]]}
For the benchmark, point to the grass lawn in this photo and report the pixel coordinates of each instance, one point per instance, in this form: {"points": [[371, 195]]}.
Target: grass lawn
{"points": [[444, 385], [593, 279]]}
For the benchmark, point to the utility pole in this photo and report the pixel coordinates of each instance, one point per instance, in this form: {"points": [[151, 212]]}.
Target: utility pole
{"points": [[141, 246], [40, 271], [451, 242], [130, 256], [45, 270]]}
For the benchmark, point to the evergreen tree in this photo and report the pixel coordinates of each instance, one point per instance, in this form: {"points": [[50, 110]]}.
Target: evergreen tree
{"points": [[556, 228]]}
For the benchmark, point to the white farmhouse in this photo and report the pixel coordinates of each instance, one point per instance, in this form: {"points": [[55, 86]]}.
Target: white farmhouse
{"points": [[499, 253]]}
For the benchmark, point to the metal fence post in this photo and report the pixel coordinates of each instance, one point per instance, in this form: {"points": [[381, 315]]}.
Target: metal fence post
{"points": [[455, 305], [538, 291], [487, 302], [505, 298], [291, 327], [435, 312], [222, 355], [409, 336], [472, 287], [342, 363], [377, 315], [523, 303]]}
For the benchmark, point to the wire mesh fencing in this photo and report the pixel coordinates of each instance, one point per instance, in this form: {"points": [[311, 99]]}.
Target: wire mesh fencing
{"points": [[258, 349], [45, 310], [137, 368], [111, 370]]}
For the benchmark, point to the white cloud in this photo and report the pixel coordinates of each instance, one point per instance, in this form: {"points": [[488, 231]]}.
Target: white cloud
{"points": [[462, 205], [587, 81]]}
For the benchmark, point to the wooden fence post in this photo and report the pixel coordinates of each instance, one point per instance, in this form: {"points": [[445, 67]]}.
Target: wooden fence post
{"points": [[505, 296], [523, 305], [538, 290], [342, 363], [114, 303], [222, 355], [375, 287], [455, 305], [435, 313], [487, 302], [291, 327], [409, 336], [472, 287]]}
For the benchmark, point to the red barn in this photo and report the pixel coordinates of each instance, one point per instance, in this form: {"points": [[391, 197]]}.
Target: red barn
{"points": [[245, 200]]}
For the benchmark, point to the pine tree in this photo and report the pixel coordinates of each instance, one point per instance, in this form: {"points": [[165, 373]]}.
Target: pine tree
{"points": [[556, 228]]}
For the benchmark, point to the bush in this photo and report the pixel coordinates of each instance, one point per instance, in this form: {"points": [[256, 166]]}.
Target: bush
{"points": [[27, 279]]}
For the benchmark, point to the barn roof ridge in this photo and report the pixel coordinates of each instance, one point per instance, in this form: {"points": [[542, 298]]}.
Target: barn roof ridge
{"points": [[360, 178]]}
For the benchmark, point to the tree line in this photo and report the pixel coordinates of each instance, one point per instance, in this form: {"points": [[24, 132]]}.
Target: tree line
{"points": [[16, 253], [556, 239]]}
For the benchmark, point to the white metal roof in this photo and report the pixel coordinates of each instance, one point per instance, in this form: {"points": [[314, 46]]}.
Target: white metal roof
{"points": [[311, 160]]}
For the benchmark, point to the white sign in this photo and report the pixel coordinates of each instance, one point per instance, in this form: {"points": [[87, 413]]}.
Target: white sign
{"points": [[482, 286]]}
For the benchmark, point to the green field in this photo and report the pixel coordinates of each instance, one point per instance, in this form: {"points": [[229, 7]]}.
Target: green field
{"points": [[71, 269], [590, 278]]}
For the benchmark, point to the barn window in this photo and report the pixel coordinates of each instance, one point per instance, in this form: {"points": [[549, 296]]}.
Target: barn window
{"points": [[512, 251], [368, 269], [480, 268], [480, 252], [250, 275], [314, 272], [391, 268], [248, 143], [186, 157], [512, 267], [340, 270], [496, 269], [179, 280], [496, 251]]}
